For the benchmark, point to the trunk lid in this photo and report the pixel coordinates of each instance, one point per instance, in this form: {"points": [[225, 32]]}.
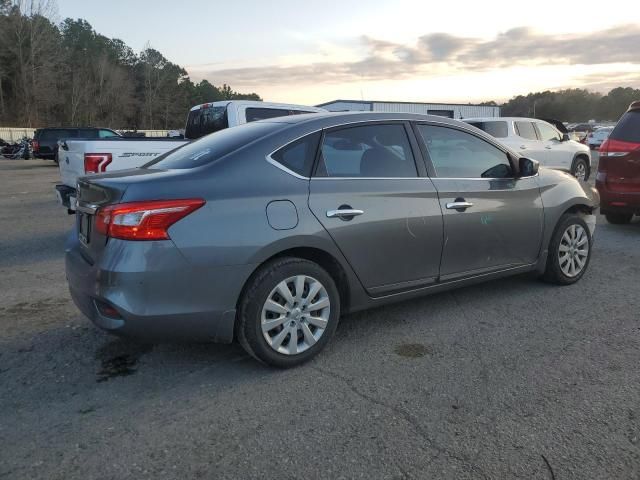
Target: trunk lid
{"points": [[100, 190]]}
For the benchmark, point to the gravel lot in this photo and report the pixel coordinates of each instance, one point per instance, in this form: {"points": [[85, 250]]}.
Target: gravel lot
{"points": [[510, 379]]}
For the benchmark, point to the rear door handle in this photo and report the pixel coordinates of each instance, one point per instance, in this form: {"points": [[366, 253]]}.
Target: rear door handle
{"points": [[548, 147], [523, 147], [344, 213], [459, 205]]}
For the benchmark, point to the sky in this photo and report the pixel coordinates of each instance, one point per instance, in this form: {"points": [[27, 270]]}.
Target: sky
{"points": [[314, 51]]}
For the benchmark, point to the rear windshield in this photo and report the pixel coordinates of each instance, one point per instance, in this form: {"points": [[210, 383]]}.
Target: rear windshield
{"points": [[212, 147], [628, 128], [206, 120], [496, 129]]}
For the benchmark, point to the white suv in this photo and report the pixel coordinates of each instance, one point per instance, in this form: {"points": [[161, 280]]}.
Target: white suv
{"points": [[539, 140]]}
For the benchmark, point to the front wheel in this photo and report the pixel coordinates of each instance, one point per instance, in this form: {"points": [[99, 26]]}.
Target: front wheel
{"points": [[288, 313], [580, 169], [569, 251]]}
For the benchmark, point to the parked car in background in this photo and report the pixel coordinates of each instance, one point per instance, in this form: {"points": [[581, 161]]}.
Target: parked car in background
{"points": [[618, 177], [269, 232], [88, 156], [539, 140], [597, 137], [45, 140]]}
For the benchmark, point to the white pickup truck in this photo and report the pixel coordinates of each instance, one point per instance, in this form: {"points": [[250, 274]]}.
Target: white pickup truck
{"points": [[79, 157]]}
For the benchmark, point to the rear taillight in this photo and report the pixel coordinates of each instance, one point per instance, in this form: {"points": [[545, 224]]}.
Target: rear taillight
{"points": [[617, 148], [35, 145], [148, 220], [96, 162]]}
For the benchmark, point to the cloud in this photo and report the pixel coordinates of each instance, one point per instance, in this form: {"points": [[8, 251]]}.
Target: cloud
{"points": [[603, 82], [436, 53]]}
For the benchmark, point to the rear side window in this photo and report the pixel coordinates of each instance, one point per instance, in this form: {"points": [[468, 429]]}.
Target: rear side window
{"points": [[58, 134], [458, 154], [371, 151], [212, 147], [206, 120], [526, 130], [496, 129], [88, 133], [299, 155], [628, 128], [255, 114]]}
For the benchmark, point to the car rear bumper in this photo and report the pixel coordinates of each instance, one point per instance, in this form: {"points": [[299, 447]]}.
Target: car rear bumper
{"points": [[66, 196], [617, 202], [157, 295]]}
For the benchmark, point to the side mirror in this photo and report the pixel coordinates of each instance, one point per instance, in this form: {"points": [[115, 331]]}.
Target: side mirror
{"points": [[528, 167], [565, 137]]}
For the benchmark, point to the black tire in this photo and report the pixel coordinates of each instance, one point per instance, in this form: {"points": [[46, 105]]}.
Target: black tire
{"points": [[581, 162], [553, 272], [619, 218], [260, 285]]}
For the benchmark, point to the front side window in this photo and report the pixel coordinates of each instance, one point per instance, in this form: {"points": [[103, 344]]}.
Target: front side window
{"points": [[493, 128], [458, 154], [526, 130], [547, 132], [255, 114], [299, 155], [370, 151], [107, 134]]}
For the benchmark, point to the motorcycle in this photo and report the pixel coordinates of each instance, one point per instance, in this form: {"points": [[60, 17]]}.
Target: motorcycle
{"points": [[18, 150]]}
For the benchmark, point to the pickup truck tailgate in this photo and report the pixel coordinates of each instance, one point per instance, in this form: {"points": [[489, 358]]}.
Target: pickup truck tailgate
{"points": [[124, 153]]}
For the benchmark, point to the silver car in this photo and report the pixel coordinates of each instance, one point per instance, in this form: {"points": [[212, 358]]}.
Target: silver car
{"points": [[268, 232]]}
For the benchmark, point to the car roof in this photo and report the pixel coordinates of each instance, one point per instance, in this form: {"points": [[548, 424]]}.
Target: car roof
{"points": [[497, 119], [257, 104], [74, 128], [340, 118]]}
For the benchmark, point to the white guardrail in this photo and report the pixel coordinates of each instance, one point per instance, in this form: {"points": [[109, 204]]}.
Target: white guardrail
{"points": [[11, 135]]}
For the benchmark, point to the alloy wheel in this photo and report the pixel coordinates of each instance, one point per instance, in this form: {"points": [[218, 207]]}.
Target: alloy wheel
{"points": [[573, 251], [581, 171], [295, 314]]}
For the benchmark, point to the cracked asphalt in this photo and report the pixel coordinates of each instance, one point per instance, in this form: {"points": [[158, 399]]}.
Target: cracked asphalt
{"points": [[509, 379]]}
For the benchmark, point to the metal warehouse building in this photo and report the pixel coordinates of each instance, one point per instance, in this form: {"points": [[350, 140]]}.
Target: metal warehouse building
{"points": [[450, 110]]}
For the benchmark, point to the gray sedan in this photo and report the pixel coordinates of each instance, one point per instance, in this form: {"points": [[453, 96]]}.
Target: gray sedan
{"points": [[268, 232]]}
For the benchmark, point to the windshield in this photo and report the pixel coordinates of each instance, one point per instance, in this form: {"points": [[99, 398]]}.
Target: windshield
{"points": [[206, 120], [212, 147]]}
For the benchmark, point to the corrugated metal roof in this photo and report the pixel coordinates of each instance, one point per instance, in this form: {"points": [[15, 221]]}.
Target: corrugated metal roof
{"points": [[453, 110]]}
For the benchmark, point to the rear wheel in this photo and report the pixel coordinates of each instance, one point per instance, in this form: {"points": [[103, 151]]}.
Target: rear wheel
{"points": [[569, 251], [618, 218], [580, 169], [288, 313]]}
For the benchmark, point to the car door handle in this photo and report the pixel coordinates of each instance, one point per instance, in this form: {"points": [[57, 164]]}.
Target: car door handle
{"points": [[344, 213], [459, 205], [548, 147], [523, 147]]}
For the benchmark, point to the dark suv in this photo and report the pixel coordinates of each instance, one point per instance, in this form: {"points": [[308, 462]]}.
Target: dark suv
{"points": [[45, 140], [618, 179]]}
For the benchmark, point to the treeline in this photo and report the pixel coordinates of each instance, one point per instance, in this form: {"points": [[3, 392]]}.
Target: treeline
{"points": [[68, 75], [572, 105]]}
